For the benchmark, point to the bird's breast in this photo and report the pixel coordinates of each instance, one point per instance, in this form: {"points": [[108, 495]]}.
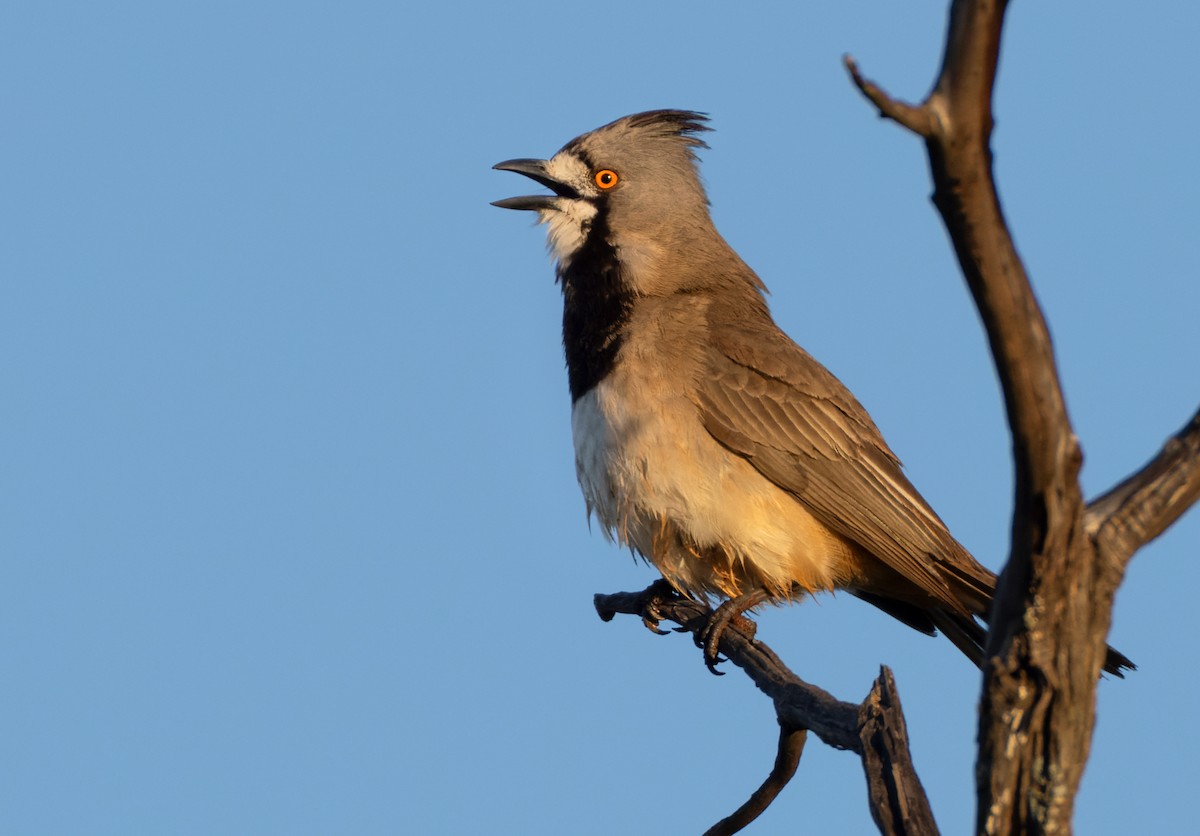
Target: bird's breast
{"points": [[659, 483]]}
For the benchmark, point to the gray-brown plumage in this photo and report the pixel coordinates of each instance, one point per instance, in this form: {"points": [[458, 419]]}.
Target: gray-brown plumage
{"points": [[707, 440]]}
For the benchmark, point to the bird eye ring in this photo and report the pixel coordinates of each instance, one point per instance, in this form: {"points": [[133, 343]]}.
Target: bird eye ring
{"points": [[606, 178]]}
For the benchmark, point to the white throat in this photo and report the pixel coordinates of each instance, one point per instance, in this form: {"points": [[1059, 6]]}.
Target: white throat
{"points": [[567, 228], [568, 224]]}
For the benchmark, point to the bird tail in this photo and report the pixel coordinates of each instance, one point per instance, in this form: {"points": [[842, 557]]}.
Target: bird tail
{"points": [[969, 636]]}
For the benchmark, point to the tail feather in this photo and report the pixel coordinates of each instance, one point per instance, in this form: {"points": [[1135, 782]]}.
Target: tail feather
{"points": [[966, 632], [974, 586], [969, 636]]}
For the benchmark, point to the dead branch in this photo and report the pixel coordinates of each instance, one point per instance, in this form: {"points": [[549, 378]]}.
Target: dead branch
{"points": [[1148, 502], [875, 729], [787, 759], [1053, 604], [898, 802]]}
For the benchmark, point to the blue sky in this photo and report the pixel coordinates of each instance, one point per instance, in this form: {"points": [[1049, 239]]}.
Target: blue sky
{"points": [[290, 539]]}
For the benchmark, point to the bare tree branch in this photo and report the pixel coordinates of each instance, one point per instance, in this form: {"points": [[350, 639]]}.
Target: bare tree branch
{"points": [[917, 118], [875, 730], [797, 703], [898, 801], [1053, 604], [1143, 506], [791, 746]]}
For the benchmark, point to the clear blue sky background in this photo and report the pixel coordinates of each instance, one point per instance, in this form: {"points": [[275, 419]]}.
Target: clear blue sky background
{"points": [[290, 540]]}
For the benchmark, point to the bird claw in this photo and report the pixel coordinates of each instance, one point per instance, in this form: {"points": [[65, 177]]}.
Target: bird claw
{"points": [[709, 641], [729, 612], [652, 616], [651, 623]]}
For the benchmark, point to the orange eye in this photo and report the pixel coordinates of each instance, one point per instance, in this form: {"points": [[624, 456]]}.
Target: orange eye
{"points": [[606, 178]]}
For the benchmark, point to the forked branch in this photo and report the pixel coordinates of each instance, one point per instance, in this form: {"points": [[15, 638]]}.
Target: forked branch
{"points": [[874, 729], [1053, 604]]}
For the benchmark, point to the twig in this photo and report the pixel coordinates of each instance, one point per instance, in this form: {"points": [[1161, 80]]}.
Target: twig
{"points": [[787, 758], [917, 118]]}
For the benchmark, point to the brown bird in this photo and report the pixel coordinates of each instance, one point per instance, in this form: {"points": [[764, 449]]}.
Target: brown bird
{"points": [[705, 439]]}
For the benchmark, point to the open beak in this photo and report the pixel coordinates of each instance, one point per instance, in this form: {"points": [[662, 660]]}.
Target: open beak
{"points": [[534, 170]]}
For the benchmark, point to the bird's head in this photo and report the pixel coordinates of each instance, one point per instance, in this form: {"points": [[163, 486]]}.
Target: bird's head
{"points": [[632, 183]]}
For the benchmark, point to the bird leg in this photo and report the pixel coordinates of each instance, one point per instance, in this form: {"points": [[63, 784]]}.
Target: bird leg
{"points": [[729, 612]]}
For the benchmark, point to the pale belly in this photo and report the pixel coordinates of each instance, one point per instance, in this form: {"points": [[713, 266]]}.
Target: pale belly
{"points": [[712, 525]]}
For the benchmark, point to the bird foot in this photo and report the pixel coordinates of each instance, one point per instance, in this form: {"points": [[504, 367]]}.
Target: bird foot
{"points": [[653, 596], [728, 614]]}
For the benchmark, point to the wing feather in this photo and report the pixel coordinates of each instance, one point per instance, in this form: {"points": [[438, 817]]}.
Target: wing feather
{"points": [[769, 401]]}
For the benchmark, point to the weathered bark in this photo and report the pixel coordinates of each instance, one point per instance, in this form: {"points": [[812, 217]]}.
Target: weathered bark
{"points": [[1053, 606], [898, 802]]}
